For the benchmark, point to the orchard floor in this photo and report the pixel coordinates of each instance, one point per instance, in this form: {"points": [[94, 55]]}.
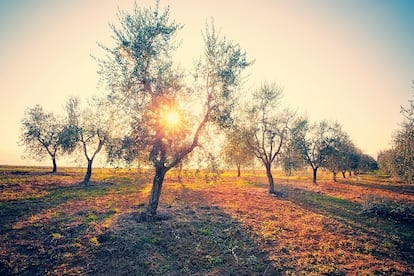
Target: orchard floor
{"points": [[50, 224]]}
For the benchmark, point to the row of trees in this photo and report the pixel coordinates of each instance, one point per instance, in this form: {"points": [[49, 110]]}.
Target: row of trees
{"points": [[399, 160], [84, 129], [278, 136], [152, 110]]}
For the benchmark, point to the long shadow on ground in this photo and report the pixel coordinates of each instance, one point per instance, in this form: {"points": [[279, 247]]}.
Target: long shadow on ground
{"points": [[188, 240], [399, 235]]}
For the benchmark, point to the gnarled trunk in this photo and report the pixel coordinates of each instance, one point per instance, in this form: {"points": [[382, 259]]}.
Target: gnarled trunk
{"points": [[270, 179], [334, 176], [54, 169], [88, 172], [315, 170], [238, 170], [160, 171]]}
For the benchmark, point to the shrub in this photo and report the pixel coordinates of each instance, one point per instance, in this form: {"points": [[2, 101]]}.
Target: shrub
{"points": [[389, 209]]}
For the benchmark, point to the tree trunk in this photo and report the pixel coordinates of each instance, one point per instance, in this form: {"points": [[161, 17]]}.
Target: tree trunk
{"points": [[160, 172], [180, 169], [54, 169], [315, 170], [334, 176], [270, 179], [88, 172], [238, 170], [343, 174]]}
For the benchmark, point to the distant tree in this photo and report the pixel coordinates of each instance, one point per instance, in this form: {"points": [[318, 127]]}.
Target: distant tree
{"points": [[290, 158], [399, 161], [404, 145], [266, 126], [367, 163], [353, 160], [88, 129], [339, 151], [140, 75], [386, 162], [235, 151], [316, 142], [41, 134]]}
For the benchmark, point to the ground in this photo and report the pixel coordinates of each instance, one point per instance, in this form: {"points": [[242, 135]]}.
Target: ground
{"points": [[51, 224]]}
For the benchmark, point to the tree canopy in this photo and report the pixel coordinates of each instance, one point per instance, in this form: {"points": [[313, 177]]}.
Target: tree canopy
{"points": [[41, 134]]}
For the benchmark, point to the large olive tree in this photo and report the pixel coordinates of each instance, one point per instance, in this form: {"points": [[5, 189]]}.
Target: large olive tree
{"points": [[142, 79]]}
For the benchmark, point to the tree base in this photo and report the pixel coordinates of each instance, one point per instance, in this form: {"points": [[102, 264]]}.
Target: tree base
{"points": [[146, 217], [278, 194]]}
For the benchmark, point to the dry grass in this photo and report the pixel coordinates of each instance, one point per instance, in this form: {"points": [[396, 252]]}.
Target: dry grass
{"points": [[51, 224]]}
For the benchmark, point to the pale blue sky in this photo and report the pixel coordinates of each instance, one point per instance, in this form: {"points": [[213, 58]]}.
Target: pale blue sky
{"points": [[350, 61]]}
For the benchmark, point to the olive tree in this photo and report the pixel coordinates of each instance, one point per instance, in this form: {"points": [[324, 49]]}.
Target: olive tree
{"points": [[386, 162], [141, 78], [87, 128], [316, 142], [236, 151], [41, 134], [404, 145], [266, 127], [339, 153], [399, 161], [290, 158]]}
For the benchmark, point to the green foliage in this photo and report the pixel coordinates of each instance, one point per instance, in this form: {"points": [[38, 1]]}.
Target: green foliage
{"points": [[235, 150], [265, 130], [221, 69], [399, 161], [139, 66], [42, 134], [326, 145], [404, 153]]}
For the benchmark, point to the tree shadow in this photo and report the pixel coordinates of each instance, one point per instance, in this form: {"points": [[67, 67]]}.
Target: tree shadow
{"points": [[399, 188], [38, 235], [399, 235], [186, 240]]}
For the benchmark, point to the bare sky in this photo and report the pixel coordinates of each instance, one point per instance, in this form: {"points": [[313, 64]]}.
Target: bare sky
{"points": [[350, 61]]}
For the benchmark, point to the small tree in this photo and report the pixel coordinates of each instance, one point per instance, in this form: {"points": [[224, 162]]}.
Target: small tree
{"points": [[339, 153], [316, 142], [41, 134], [290, 158], [235, 151], [88, 129], [140, 75], [265, 129]]}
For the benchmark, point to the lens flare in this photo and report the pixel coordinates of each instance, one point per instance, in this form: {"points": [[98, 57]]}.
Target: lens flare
{"points": [[172, 118]]}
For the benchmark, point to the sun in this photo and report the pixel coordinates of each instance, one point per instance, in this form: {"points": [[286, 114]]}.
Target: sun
{"points": [[172, 118]]}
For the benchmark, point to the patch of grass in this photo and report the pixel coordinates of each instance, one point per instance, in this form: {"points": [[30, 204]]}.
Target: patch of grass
{"points": [[331, 204], [399, 235], [90, 218]]}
